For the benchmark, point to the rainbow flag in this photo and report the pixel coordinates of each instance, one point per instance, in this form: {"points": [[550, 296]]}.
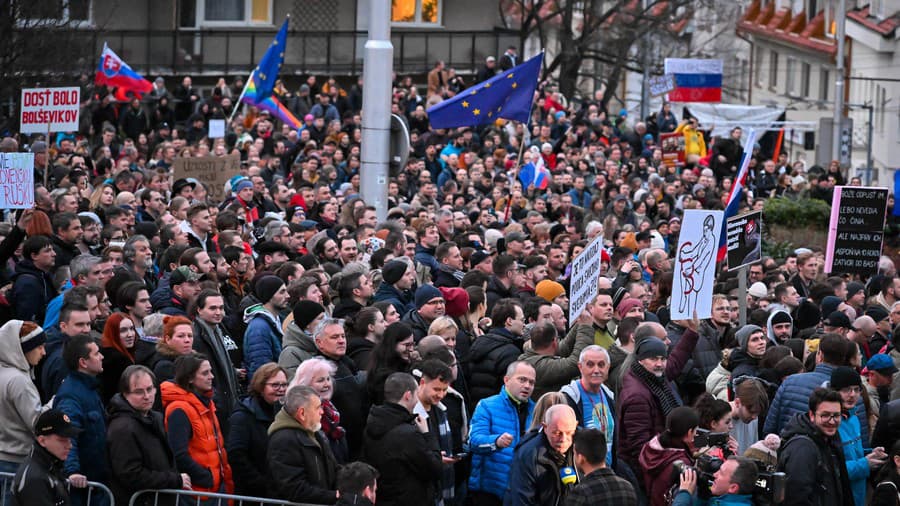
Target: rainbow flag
{"points": [[271, 104]]}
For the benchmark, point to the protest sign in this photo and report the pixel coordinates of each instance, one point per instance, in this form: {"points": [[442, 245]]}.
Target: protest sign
{"points": [[212, 171], [672, 146], [856, 229], [695, 264], [583, 283], [744, 240], [216, 128], [49, 110], [16, 180], [660, 85]]}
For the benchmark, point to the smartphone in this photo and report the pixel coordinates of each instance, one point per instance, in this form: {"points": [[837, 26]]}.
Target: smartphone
{"points": [[459, 456]]}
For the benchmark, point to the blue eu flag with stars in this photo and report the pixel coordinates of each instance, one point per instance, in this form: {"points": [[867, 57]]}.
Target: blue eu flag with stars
{"points": [[507, 95], [267, 71]]}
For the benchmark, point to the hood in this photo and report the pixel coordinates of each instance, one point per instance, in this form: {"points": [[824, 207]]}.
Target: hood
{"points": [[118, 407], [284, 421], [11, 354], [254, 406], [171, 392], [385, 417], [654, 459], [27, 267], [496, 338], [800, 425], [163, 292], [258, 310], [293, 336], [346, 307], [739, 357], [769, 332]]}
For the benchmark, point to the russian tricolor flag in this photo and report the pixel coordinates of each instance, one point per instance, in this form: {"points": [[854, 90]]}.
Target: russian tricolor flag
{"points": [[114, 72], [695, 80], [534, 172], [734, 198]]}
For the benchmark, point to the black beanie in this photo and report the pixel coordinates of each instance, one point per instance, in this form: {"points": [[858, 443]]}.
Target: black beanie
{"points": [[305, 312], [781, 317], [393, 271], [843, 377], [266, 287]]}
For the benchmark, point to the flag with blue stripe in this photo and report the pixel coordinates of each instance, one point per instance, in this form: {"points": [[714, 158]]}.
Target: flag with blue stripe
{"points": [[734, 198], [266, 72]]}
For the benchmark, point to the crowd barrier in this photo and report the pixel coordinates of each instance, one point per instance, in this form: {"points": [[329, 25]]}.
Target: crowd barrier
{"points": [[6, 484], [190, 498]]}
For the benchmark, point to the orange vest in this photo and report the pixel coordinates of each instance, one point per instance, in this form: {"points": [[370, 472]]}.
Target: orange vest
{"points": [[206, 446]]}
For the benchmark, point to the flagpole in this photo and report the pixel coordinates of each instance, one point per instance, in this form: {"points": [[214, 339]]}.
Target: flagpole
{"points": [[238, 103], [518, 164]]}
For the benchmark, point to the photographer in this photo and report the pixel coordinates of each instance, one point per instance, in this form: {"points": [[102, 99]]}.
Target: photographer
{"points": [[733, 484], [676, 443]]}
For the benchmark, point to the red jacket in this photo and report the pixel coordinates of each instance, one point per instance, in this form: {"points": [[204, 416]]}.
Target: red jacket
{"points": [[207, 446], [656, 465], [640, 416]]}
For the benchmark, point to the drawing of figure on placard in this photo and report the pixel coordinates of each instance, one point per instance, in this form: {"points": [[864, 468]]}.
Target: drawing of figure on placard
{"points": [[693, 262]]}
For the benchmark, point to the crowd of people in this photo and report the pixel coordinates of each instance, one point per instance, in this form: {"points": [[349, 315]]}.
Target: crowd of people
{"points": [[285, 343]]}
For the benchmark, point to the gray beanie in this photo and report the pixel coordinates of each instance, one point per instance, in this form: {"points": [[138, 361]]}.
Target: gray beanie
{"points": [[743, 335]]}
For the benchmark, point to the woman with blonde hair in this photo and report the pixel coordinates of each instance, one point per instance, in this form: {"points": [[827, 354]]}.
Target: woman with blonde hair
{"points": [[445, 327]]}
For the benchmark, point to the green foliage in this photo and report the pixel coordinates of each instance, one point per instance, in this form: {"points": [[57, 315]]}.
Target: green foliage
{"points": [[778, 250], [804, 213]]}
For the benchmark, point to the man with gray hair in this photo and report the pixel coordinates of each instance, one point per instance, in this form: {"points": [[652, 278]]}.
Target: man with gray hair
{"points": [[84, 270], [543, 470], [349, 397], [592, 401], [137, 265], [300, 459]]}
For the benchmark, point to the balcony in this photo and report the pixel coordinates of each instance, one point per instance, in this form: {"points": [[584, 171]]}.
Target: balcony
{"points": [[215, 52]]}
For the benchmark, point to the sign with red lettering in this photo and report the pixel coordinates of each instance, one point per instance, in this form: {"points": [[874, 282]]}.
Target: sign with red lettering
{"points": [[56, 107], [16, 180]]}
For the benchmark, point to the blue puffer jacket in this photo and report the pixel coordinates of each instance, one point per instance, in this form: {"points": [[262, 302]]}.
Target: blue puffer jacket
{"points": [[854, 456], [793, 397], [262, 339], [78, 397], [493, 416], [402, 302]]}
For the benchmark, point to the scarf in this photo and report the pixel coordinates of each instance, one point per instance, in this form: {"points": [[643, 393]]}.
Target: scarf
{"points": [[331, 421], [658, 387]]}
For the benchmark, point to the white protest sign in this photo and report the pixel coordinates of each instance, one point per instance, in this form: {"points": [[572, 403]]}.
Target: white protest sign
{"points": [[216, 128], [50, 109], [583, 283], [695, 264], [16, 180], [660, 85]]}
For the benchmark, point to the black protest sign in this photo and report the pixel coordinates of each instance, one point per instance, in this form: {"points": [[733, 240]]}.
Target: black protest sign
{"points": [[856, 230], [744, 240]]}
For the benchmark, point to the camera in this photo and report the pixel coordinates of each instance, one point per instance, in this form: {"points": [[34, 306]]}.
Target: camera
{"points": [[770, 485], [706, 467], [704, 438], [769, 489]]}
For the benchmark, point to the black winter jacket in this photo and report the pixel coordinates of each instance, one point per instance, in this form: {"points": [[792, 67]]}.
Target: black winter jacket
{"points": [[535, 474], [409, 464], [815, 465], [247, 444], [40, 480], [32, 290], [139, 453], [489, 357], [303, 469], [227, 389]]}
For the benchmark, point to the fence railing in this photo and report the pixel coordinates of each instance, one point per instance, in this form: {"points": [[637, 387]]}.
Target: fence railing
{"points": [[189, 497], [235, 52], [93, 488]]}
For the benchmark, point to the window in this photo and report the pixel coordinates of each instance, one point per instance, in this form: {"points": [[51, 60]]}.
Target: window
{"points": [[56, 10], [824, 83], [773, 69], [227, 12], [804, 79], [758, 66], [790, 66], [876, 8], [416, 12], [812, 8]]}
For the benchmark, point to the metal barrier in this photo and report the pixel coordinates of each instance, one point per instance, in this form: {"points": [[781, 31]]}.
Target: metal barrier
{"points": [[190, 497], [6, 484]]}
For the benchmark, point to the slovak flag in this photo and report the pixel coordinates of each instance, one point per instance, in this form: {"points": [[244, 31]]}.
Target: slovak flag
{"points": [[534, 172], [113, 72], [734, 198]]}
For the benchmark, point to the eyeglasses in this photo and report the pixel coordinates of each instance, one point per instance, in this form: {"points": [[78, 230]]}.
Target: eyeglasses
{"points": [[277, 386], [829, 416]]}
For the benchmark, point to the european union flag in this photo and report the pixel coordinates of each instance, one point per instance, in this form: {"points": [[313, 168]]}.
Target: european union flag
{"points": [[267, 71], [507, 95]]}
